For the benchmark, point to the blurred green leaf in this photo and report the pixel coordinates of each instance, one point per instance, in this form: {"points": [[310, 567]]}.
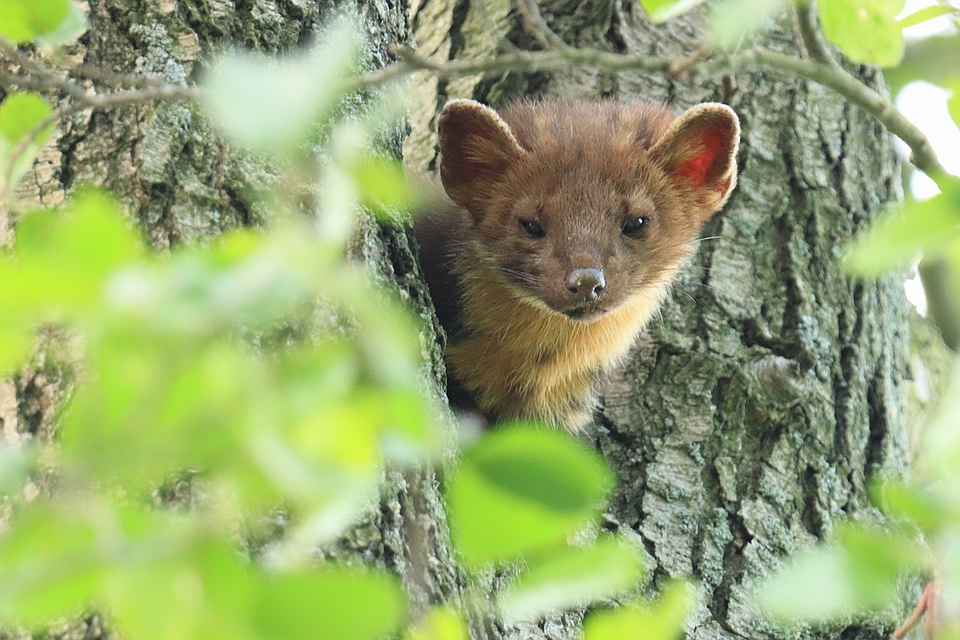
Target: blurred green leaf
{"points": [[953, 102], [22, 20], [20, 113], [154, 409], [519, 489], [63, 257], [661, 10], [733, 20], [382, 183], [48, 566], [573, 577], [903, 501], [16, 463], [922, 15], [932, 59], [15, 336], [439, 624], [894, 241], [663, 620], [865, 30], [72, 27], [816, 585], [328, 605], [196, 592], [940, 455], [878, 559], [273, 105], [860, 571]]}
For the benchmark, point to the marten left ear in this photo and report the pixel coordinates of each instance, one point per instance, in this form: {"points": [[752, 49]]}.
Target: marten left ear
{"points": [[699, 151], [476, 149]]}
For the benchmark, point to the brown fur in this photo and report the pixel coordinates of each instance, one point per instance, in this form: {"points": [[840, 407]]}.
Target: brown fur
{"points": [[519, 344]]}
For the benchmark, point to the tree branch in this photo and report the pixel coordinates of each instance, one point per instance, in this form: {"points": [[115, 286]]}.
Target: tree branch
{"points": [[806, 17], [820, 68], [537, 27], [168, 93]]}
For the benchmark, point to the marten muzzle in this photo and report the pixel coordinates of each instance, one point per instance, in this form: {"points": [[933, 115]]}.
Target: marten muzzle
{"points": [[584, 285]]}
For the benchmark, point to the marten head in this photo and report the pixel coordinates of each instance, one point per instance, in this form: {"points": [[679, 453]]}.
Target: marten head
{"points": [[579, 206]]}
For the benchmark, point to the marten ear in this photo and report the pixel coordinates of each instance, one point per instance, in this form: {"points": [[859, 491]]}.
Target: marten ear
{"points": [[476, 148], [699, 151]]}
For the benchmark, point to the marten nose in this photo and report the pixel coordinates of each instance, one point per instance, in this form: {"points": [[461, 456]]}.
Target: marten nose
{"points": [[585, 285]]}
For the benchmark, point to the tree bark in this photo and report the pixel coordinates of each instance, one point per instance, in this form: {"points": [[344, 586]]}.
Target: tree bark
{"points": [[755, 413], [183, 184]]}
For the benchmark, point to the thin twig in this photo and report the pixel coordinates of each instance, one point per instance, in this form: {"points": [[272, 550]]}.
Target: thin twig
{"points": [[42, 75], [537, 27], [829, 74], [821, 68], [114, 78], [167, 93], [811, 36]]}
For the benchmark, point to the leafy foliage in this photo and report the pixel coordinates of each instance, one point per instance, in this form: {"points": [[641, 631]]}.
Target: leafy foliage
{"points": [[181, 376], [865, 30], [22, 21]]}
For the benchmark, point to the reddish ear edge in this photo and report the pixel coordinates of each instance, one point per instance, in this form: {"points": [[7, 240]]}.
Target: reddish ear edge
{"points": [[699, 151], [476, 148]]}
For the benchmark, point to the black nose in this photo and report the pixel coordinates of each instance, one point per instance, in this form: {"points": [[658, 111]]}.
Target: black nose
{"points": [[585, 285]]}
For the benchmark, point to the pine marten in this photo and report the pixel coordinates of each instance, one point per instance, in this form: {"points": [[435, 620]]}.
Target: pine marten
{"points": [[567, 224]]}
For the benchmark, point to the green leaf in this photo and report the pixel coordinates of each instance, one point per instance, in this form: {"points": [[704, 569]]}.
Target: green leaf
{"points": [[199, 592], [922, 15], [953, 102], [865, 30], [439, 624], [921, 507], [571, 578], [156, 408], [826, 582], [20, 113], [940, 455], [519, 489], [661, 621], [49, 566], [64, 257], [733, 20], [15, 467], [661, 10], [382, 183], [930, 225], [16, 336], [273, 105], [73, 26], [328, 605], [22, 20]]}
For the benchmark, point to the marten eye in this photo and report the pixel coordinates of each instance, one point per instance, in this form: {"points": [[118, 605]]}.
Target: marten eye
{"points": [[533, 229], [635, 227]]}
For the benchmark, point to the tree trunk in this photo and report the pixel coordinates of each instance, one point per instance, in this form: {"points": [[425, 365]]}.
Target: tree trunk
{"points": [[184, 184], [755, 414]]}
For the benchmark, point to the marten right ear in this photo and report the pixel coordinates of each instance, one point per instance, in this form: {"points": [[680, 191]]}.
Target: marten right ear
{"points": [[476, 148], [699, 152]]}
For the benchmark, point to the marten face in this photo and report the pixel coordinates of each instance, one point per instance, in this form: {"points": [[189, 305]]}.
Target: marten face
{"points": [[579, 209]]}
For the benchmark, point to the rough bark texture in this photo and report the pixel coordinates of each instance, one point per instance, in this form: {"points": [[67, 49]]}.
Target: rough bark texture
{"points": [[757, 411], [184, 184]]}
